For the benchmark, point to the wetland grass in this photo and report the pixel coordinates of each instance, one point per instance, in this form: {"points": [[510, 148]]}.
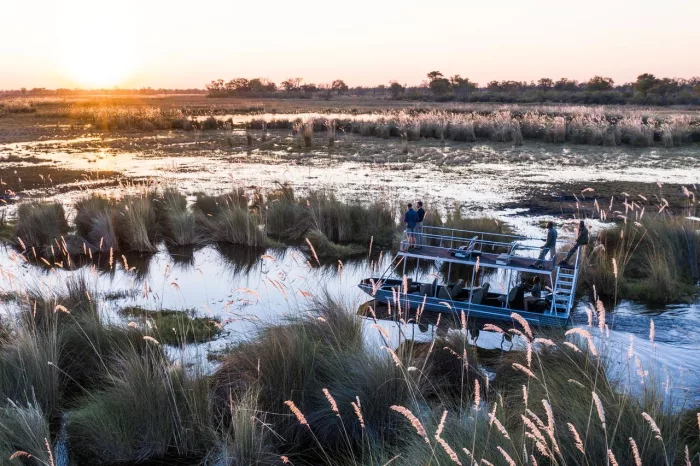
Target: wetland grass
{"points": [[655, 260], [172, 327], [40, 225], [318, 387]]}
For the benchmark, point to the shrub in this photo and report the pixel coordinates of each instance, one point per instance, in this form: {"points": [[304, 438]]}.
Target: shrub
{"points": [[24, 428], [94, 221], [137, 226], [146, 411], [41, 225], [176, 221]]}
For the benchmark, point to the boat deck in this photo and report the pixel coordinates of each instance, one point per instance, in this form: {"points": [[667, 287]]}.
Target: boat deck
{"points": [[486, 259]]}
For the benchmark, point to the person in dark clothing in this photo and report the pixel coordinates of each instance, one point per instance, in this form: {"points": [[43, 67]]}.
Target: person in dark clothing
{"points": [[535, 292], [581, 240], [410, 218], [419, 224], [550, 246]]}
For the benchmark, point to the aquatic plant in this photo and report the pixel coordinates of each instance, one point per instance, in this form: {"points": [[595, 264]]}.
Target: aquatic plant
{"points": [[655, 259], [41, 226], [173, 327], [177, 223], [95, 222], [136, 222]]}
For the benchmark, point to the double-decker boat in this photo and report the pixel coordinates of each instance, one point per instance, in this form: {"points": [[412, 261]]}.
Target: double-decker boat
{"points": [[509, 255]]}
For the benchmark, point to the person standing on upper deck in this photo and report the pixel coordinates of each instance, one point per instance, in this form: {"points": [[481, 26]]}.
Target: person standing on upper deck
{"points": [[581, 240], [410, 218], [419, 224], [550, 246]]}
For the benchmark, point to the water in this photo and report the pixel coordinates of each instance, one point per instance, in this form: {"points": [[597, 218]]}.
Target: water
{"points": [[246, 288]]}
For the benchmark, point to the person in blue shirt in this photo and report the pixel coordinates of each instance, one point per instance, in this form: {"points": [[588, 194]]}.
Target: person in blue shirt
{"points": [[410, 218], [419, 224], [550, 246]]}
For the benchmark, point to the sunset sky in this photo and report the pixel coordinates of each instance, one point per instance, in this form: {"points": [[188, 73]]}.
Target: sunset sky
{"points": [[177, 44]]}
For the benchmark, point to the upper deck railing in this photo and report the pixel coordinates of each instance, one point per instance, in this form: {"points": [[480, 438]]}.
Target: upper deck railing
{"points": [[442, 241]]}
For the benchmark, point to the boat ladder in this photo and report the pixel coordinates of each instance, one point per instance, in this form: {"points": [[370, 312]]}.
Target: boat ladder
{"points": [[564, 289]]}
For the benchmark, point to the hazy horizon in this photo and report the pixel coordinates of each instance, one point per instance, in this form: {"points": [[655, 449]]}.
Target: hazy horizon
{"points": [[173, 45]]}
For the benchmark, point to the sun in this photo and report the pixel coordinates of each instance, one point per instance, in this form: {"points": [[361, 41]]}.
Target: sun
{"points": [[98, 67], [99, 46]]}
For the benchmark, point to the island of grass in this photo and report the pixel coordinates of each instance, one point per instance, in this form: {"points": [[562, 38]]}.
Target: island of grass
{"points": [[173, 327]]}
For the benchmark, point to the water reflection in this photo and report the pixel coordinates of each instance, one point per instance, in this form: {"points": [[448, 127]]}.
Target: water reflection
{"points": [[244, 287]]}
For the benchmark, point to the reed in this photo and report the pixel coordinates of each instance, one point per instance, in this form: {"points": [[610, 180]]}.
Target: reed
{"points": [[658, 260], [146, 411], [40, 226], [229, 219], [95, 222], [136, 223], [176, 221]]}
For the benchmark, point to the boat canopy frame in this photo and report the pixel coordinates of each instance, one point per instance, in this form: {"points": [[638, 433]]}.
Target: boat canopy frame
{"points": [[443, 243]]}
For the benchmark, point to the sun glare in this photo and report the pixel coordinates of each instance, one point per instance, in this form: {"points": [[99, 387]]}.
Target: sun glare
{"points": [[99, 47]]}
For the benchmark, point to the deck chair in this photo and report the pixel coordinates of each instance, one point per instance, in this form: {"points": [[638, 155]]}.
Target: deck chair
{"points": [[465, 251], [515, 298], [451, 291]]}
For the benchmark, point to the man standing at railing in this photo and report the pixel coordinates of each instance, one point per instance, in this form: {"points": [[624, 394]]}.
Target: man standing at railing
{"points": [[550, 246], [419, 224], [410, 218], [581, 240]]}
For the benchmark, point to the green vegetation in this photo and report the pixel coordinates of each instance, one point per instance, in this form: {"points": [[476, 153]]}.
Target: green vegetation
{"points": [[319, 387], [172, 327], [654, 260], [41, 226], [139, 222]]}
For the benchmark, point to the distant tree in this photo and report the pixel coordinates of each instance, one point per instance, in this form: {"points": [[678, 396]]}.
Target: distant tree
{"points": [[645, 82], [396, 89], [545, 83], [566, 85], [261, 86], [237, 86], [493, 86], [665, 86], [292, 84], [309, 88], [511, 85], [439, 85], [462, 86], [339, 86], [216, 87], [599, 83]]}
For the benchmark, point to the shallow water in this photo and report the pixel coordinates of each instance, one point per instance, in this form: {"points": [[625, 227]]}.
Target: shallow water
{"points": [[246, 288], [477, 175]]}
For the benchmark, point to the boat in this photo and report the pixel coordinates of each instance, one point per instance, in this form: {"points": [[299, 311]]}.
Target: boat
{"points": [[484, 254]]}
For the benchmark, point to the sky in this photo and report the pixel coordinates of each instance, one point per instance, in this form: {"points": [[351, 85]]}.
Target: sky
{"points": [[183, 44]]}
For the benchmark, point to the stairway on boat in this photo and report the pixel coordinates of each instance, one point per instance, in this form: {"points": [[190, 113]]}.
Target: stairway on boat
{"points": [[564, 288]]}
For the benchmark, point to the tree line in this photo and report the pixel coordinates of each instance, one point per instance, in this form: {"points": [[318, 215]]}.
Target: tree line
{"points": [[647, 89]]}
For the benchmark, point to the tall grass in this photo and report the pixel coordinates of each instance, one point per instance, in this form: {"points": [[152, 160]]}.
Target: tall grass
{"points": [[654, 259], [95, 222], [41, 226], [335, 228], [229, 219], [177, 222], [578, 125], [137, 225], [324, 387], [146, 410]]}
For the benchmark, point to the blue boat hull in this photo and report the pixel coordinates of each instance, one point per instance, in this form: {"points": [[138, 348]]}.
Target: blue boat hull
{"points": [[472, 311]]}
